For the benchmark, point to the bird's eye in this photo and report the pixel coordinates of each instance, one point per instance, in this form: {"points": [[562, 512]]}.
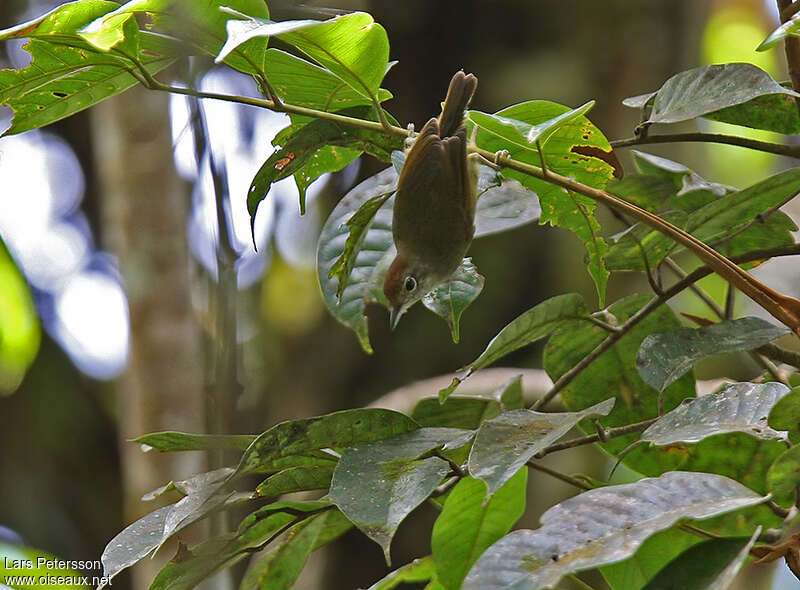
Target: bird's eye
{"points": [[411, 284]]}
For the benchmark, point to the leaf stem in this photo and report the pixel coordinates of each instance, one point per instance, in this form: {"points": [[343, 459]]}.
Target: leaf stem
{"points": [[608, 434], [793, 151], [558, 475]]}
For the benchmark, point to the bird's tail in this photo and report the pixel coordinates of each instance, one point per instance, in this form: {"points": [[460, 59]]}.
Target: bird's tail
{"points": [[460, 92]]}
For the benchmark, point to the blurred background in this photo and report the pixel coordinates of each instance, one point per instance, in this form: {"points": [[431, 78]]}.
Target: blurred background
{"points": [[109, 330]]}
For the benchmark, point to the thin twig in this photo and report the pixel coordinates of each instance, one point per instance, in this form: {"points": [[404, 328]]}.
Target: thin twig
{"points": [[593, 438], [558, 475], [780, 149]]}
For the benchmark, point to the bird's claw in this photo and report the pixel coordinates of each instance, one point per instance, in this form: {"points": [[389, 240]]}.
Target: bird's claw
{"points": [[412, 135], [498, 155]]}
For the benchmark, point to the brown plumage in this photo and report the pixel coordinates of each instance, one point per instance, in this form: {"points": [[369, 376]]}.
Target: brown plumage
{"points": [[434, 207]]}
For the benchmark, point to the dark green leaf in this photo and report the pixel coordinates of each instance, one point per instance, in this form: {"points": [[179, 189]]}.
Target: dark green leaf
{"points": [[786, 415], [505, 443], [450, 299], [280, 568], [711, 565], [469, 411], [640, 243], [614, 373], [378, 484], [739, 407], [536, 323], [295, 479], [419, 570], [773, 112], [63, 80], [783, 477], [602, 526], [666, 356], [706, 89], [336, 431], [566, 153], [181, 441], [467, 525]]}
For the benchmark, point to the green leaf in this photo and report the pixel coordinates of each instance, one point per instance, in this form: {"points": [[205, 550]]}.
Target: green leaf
{"points": [[296, 479], [20, 333], [682, 178], [303, 143], [602, 526], [504, 444], [614, 373], [786, 415], [655, 553], [790, 27], [783, 477], [536, 323], [363, 284], [576, 149], [664, 357], [450, 299], [711, 565], [353, 47], [357, 225], [707, 89], [378, 484], [338, 430], [35, 569], [119, 31], [280, 568], [467, 525], [181, 441], [739, 407], [469, 411], [773, 112], [63, 21], [525, 134], [63, 80], [419, 570]]}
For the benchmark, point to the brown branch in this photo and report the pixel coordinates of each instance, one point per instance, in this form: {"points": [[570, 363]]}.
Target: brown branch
{"points": [[791, 46], [780, 149]]}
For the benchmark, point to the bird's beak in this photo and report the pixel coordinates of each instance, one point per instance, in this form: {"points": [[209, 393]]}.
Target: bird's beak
{"points": [[394, 317]]}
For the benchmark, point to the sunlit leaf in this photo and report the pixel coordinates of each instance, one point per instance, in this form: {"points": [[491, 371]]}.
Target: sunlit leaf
{"points": [[602, 526], [576, 149], [505, 443], [338, 430], [63, 21], [419, 570], [376, 485], [467, 525], [538, 322], [739, 407], [790, 27], [666, 356], [451, 298], [28, 568], [63, 80], [19, 325]]}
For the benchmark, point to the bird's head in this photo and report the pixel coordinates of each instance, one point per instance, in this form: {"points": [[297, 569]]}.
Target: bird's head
{"points": [[406, 282]]}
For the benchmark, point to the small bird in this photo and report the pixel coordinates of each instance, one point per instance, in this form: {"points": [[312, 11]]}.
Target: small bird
{"points": [[433, 220]]}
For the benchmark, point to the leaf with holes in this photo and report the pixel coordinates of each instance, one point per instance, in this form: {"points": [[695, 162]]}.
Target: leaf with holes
{"points": [[538, 322], [602, 526], [63, 80], [376, 485], [505, 443], [739, 407], [467, 525], [577, 149], [666, 356], [451, 298]]}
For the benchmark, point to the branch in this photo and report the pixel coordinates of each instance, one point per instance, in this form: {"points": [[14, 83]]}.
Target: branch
{"points": [[607, 434], [791, 46], [784, 308], [558, 475], [613, 338], [793, 151]]}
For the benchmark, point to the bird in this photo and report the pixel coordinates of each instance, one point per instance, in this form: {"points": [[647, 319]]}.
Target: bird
{"points": [[433, 218]]}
